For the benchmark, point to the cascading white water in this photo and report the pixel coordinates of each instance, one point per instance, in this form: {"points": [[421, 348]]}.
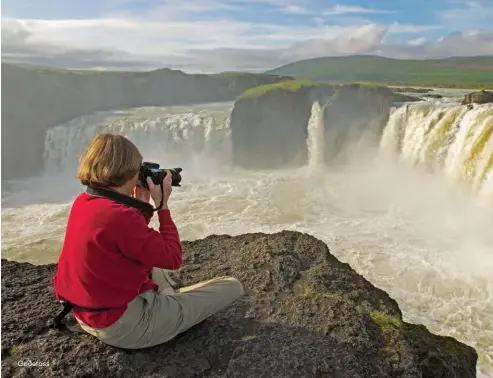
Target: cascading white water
{"points": [[171, 136], [316, 137], [451, 139], [384, 218]]}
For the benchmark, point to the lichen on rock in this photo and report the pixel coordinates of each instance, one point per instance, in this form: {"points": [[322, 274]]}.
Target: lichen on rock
{"points": [[304, 314]]}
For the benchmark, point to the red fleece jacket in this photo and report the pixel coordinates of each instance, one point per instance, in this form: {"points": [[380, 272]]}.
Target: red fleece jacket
{"points": [[108, 253]]}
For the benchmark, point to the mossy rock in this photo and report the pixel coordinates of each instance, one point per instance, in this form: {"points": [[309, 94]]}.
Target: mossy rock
{"points": [[287, 86]]}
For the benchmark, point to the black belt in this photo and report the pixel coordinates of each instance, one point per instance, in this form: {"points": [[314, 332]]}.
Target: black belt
{"points": [[67, 307]]}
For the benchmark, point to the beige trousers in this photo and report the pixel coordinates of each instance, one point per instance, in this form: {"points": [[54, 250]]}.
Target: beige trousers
{"points": [[152, 318]]}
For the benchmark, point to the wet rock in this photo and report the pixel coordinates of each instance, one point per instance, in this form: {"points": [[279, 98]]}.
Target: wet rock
{"points": [[304, 314], [482, 97]]}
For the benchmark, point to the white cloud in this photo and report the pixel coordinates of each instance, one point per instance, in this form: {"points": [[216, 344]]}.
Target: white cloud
{"points": [[296, 9], [417, 42], [398, 28], [339, 9], [166, 40], [456, 44], [467, 14]]}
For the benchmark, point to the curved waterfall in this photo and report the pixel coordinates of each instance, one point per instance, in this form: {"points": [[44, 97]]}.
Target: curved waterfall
{"points": [[454, 140], [166, 135], [450, 139]]}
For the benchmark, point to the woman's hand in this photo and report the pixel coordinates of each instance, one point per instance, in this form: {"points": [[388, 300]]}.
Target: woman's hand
{"points": [[142, 194], [155, 190]]}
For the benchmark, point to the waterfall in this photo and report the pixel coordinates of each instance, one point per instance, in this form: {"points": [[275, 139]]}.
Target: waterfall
{"points": [[316, 137], [164, 135], [450, 139]]}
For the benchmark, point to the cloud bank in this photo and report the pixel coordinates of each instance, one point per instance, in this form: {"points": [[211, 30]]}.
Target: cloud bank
{"points": [[168, 37]]}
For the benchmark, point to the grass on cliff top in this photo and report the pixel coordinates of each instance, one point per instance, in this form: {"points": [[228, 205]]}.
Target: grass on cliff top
{"points": [[289, 86]]}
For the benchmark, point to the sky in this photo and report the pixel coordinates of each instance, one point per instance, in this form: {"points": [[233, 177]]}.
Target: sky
{"points": [[237, 35]]}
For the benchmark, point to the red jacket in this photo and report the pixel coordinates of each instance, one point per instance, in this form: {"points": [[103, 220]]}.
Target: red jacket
{"points": [[108, 253]]}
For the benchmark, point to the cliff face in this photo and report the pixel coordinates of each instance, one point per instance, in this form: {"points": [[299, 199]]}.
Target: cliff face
{"points": [[356, 114], [304, 314], [35, 99], [269, 123]]}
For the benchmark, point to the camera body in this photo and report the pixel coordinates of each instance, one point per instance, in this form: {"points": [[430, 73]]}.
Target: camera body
{"points": [[157, 175]]}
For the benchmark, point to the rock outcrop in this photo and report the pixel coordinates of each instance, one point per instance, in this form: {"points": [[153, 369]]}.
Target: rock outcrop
{"points": [[304, 314], [269, 124], [413, 90], [481, 97], [433, 95], [35, 99], [356, 114]]}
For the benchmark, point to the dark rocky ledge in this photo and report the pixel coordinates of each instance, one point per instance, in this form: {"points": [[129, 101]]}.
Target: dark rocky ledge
{"points": [[305, 314]]}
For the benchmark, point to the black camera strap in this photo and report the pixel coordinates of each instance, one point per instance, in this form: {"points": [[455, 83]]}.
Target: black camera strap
{"points": [[162, 199], [145, 207]]}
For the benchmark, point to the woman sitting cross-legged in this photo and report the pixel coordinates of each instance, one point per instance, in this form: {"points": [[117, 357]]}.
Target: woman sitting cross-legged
{"points": [[112, 267]]}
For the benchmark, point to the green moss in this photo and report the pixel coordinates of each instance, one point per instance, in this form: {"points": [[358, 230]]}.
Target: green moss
{"points": [[16, 349], [385, 321], [288, 85], [308, 292], [335, 296], [389, 325], [366, 84]]}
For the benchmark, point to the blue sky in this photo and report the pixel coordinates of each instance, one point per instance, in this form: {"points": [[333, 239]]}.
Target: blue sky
{"points": [[214, 35]]}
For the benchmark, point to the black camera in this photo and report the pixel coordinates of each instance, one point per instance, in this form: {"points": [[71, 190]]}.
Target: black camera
{"points": [[157, 175]]}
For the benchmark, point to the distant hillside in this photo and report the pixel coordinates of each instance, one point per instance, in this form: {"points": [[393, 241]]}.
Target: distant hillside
{"points": [[459, 72], [37, 98]]}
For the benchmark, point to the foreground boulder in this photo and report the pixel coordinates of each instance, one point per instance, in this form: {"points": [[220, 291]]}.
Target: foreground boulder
{"points": [[304, 314], [482, 97]]}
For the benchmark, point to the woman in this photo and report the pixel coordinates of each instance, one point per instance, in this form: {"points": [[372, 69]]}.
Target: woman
{"points": [[110, 251]]}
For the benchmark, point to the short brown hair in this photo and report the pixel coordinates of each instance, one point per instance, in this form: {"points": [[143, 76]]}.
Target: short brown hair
{"points": [[109, 160]]}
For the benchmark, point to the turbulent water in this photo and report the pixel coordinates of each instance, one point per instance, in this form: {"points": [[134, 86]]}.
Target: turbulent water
{"points": [[452, 139], [416, 220]]}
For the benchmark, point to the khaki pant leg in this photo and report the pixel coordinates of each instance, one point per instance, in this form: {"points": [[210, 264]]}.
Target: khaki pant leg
{"points": [[191, 305], [163, 280], [152, 319]]}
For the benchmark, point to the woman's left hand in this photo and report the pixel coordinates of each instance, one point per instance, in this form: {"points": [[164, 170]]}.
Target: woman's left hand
{"points": [[142, 194]]}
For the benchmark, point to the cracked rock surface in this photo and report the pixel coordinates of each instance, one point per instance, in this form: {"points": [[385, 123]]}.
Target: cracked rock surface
{"points": [[304, 314]]}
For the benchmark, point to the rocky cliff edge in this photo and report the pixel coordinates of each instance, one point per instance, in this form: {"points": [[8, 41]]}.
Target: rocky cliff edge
{"points": [[304, 314]]}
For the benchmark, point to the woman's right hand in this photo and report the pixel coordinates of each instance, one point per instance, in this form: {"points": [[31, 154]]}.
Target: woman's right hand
{"points": [[156, 193]]}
